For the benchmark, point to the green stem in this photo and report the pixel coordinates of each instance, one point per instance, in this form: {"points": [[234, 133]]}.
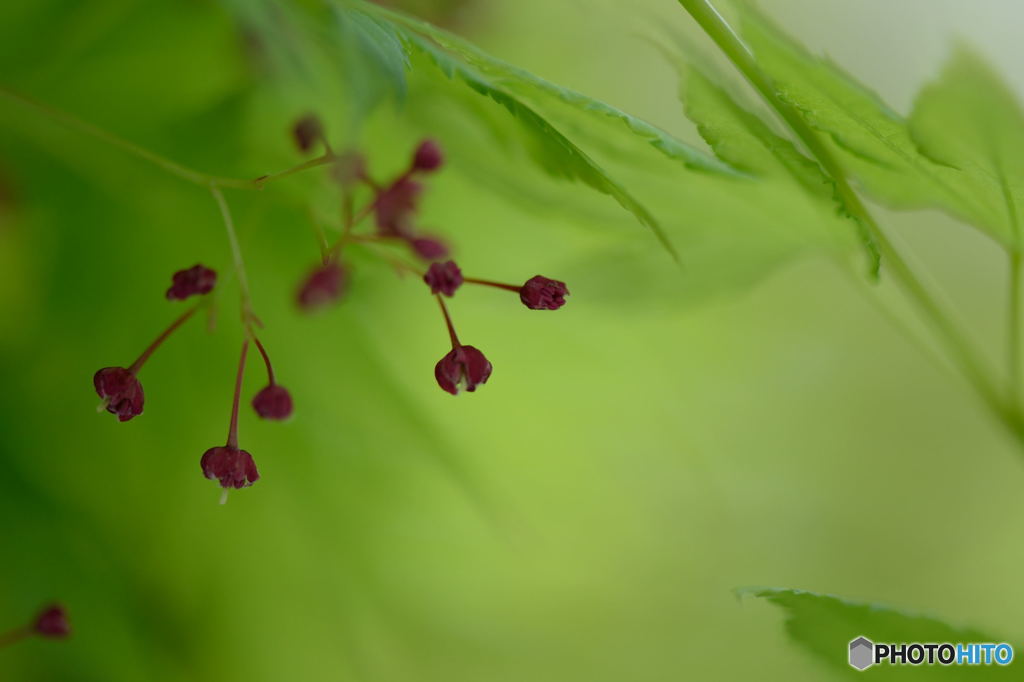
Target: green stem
{"points": [[172, 167], [81, 126], [962, 352], [236, 255]]}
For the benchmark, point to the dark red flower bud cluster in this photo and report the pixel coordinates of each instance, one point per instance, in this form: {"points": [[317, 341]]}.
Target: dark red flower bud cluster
{"points": [[122, 394], [393, 206]]}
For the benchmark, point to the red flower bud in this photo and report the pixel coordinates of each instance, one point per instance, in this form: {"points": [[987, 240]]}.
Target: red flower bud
{"points": [[394, 206], [121, 391], [234, 468], [443, 278], [52, 622], [273, 402], [429, 248], [541, 293], [195, 280], [324, 285], [464, 368], [307, 131], [428, 156]]}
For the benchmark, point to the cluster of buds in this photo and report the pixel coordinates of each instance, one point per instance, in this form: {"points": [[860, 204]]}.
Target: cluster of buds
{"points": [[465, 367], [50, 623], [122, 394], [393, 206]]}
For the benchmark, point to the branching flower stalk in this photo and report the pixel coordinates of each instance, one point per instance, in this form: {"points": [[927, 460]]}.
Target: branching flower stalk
{"points": [[960, 349], [393, 207]]}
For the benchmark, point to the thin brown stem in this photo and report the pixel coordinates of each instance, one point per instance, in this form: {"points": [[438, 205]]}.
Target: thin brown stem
{"points": [[233, 427], [491, 283], [137, 365], [266, 359], [448, 321], [16, 635]]}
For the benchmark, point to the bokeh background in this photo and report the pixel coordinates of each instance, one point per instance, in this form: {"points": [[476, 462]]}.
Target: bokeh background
{"points": [[586, 515]]}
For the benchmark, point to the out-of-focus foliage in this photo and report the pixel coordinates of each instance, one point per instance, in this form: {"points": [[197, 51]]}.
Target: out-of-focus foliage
{"points": [[817, 622], [970, 120], [873, 140]]}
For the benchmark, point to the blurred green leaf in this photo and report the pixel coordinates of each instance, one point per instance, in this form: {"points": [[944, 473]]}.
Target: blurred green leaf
{"points": [[824, 625], [526, 84], [969, 119], [550, 149]]}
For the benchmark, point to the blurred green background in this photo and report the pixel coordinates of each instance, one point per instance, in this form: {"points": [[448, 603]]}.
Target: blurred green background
{"points": [[586, 515]]}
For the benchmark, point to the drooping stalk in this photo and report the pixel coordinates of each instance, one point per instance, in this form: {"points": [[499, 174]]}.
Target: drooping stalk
{"points": [[957, 345], [448, 321], [233, 425], [141, 360], [266, 360]]}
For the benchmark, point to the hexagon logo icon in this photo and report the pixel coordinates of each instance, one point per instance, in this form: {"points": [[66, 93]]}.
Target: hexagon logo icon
{"points": [[862, 653]]}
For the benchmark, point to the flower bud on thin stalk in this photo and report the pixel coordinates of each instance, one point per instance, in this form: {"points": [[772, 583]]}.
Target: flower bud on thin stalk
{"points": [[119, 387], [273, 401], [50, 623], [538, 293], [462, 368], [229, 464]]}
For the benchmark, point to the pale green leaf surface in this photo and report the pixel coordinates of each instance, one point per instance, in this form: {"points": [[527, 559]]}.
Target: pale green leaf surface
{"points": [[971, 120], [870, 139], [743, 140], [550, 149]]}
